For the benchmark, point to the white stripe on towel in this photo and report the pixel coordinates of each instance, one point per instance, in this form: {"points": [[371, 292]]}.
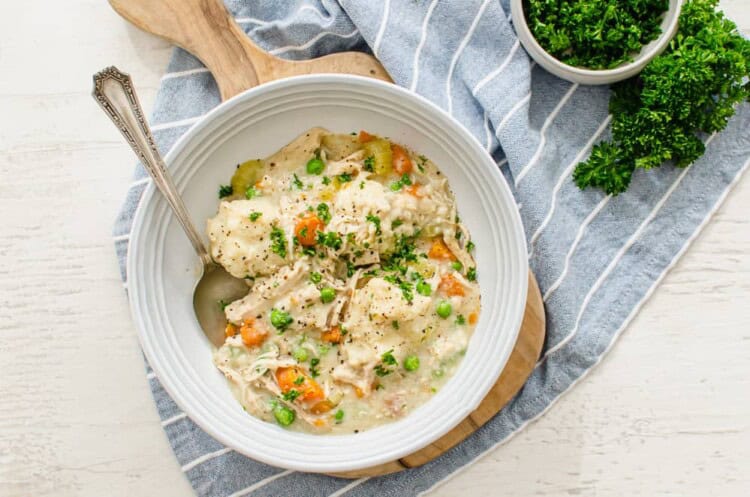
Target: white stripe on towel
{"points": [[574, 246], [613, 263], [565, 176], [460, 50], [261, 483], [251, 20], [497, 71], [140, 181], [305, 46], [205, 457], [345, 489], [487, 133], [173, 419], [176, 124], [543, 134], [187, 72], [512, 111], [422, 39], [381, 30]]}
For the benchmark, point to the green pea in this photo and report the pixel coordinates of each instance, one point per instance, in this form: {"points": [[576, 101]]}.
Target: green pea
{"points": [[339, 416], [327, 295], [280, 319], [284, 416], [444, 309], [457, 266], [424, 288], [300, 354], [315, 166], [411, 363]]}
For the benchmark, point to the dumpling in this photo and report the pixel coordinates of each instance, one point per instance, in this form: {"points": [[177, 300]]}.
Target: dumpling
{"points": [[245, 246]]}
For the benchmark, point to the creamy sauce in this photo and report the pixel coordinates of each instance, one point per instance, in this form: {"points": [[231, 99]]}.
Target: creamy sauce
{"points": [[362, 292]]}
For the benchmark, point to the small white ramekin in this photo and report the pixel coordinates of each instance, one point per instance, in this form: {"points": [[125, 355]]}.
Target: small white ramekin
{"points": [[595, 76]]}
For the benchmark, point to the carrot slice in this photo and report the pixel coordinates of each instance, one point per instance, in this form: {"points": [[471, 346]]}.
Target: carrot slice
{"points": [[251, 335], [473, 318], [307, 228], [288, 379], [439, 250], [414, 190], [451, 286], [332, 336], [321, 407], [401, 161], [365, 137]]}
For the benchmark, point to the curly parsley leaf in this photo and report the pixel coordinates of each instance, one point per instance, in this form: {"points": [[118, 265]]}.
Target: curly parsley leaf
{"points": [[687, 92]]}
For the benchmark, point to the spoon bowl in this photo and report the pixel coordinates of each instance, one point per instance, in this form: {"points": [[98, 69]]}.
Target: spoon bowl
{"points": [[114, 92]]}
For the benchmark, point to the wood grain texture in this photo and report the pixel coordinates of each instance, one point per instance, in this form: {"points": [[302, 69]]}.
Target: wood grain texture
{"points": [[205, 29], [666, 413]]}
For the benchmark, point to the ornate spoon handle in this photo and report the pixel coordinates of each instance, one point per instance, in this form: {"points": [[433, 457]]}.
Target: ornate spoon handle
{"points": [[114, 92]]}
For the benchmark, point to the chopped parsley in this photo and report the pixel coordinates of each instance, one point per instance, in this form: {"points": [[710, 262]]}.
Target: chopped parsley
{"points": [[292, 394], [254, 216], [422, 162], [376, 221], [406, 287], [314, 371], [460, 320], [404, 181], [316, 277], [370, 164], [361, 185], [223, 304], [326, 180], [395, 325], [278, 242], [396, 223], [595, 34], [299, 380], [471, 274], [308, 250], [386, 359], [324, 214], [251, 192], [470, 246], [225, 190], [297, 182], [330, 239], [344, 177]]}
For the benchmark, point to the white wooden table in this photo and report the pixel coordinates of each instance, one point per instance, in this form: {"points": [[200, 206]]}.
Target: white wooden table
{"points": [[666, 413]]}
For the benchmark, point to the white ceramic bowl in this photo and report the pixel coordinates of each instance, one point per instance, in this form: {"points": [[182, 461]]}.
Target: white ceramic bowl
{"points": [[595, 76], [162, 268]]}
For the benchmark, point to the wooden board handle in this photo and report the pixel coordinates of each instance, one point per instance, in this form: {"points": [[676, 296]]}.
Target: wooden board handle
{"points": [[205, 29]]}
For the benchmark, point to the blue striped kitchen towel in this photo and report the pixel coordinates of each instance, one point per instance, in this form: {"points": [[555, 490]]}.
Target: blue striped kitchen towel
{"points": [[597, 257]]}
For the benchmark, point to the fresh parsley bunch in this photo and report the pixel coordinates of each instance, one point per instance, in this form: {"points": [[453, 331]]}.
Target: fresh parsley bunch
{"points": [[682, 95], [597, 34]]}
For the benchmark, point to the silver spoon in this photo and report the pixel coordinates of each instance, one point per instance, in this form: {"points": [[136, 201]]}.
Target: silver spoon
{"points": [[114, 92]]}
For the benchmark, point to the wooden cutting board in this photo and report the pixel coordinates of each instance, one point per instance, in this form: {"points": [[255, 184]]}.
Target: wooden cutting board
{"points": [[205, 29]]}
